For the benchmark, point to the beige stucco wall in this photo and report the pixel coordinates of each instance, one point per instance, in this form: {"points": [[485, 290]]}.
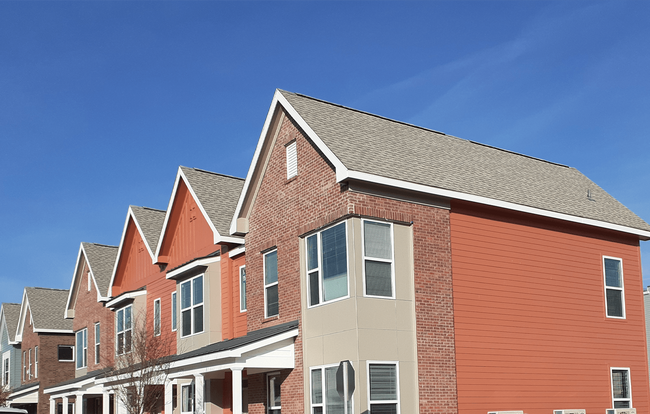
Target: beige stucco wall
{"points": [[211, 311], [364, 329]]}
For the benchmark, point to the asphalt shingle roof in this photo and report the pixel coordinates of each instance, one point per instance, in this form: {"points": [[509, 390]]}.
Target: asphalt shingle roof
{"points": [[47, 307], [372, 144], [12, 314], [151, 222], [101, 259], [217, 193]]}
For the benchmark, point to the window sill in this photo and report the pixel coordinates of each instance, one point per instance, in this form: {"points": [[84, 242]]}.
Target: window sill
{"points": [[271, 319]]}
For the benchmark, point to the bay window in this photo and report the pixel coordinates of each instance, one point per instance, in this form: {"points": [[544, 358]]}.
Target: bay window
{"points": [[192, 306], [383, 383], [124, 324], [378, 268], [327, 265], [325, 399]]}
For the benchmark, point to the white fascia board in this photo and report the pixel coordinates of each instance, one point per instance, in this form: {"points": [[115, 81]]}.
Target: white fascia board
{"points": [[488, 201], [53, 331], [185, 268], [237, 251], [24, 391], [119, 253], [235, 353], [215, 234], [125, 296], [73, 386], [74, 277], [24, 305], [278, 98], [167, 213]]}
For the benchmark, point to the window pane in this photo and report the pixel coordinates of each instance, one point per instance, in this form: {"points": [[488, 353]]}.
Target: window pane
{"points": [[312, 252], [314, 297], [198, 319], [383, 382], [174, 311], [272, 307], [156, 317], [622, 404], [614, 302], [120, 343], [317, 410], [242, 288], [127, 318], [377, 240], [316, 387], [120, 320], [334, 259], [383, 409], [127, 341], [198, 290], [97, 331], [271, 268], [186, 295], [378, 279], [334, 403], [85, 336], [79, 349], [613, 273], [620, 384], [274, 391], [186, 324]]}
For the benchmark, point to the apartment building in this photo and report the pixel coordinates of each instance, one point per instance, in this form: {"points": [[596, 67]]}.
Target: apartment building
{"points": [[9, 348]]}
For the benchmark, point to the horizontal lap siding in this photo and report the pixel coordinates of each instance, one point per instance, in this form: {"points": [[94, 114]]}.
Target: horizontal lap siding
{"points": [[529, 312]]}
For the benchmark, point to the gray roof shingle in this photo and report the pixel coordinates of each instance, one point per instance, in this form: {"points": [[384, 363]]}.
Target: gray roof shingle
{"points": [[12, 314], [372, 144], [217, 193], [47, 307], [151, 222], [101, 259]]}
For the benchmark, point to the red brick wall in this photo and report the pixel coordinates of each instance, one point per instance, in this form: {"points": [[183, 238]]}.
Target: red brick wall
{"points": [[284, 209]]}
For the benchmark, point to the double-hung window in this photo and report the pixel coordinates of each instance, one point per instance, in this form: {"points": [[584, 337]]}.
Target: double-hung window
{"points": [[82, 348], [5, 367], [325, 399], [36, 361], [242, 288], [24, 366], [156, 317], [327, 265], [192, 306], [378, 269], [621, 389], [124, 324], [174, 317], [29, 370], [97, 341], [614, 293], [271, 302], [383, 387], [273, 393]]}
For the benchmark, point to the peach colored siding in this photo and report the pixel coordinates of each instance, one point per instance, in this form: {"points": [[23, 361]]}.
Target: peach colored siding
{"points": [[529, 312], [233, 320]]}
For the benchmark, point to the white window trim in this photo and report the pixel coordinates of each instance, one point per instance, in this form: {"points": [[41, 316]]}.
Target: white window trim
{"points": [[396, 363], [29, 356], [6, 356], [65, 346], [174, 302], [192, 305], [117, 333], [391, 261], [36, 361], [268, 393], [266, 307], [611, 381], [97, 342], [84, 350], [157, 319], [323, 405], [242, 306], [319, 269], [188, 385], [622, 288]]}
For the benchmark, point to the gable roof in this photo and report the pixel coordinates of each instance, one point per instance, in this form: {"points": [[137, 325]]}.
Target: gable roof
{"points": [[215, 194], [370, 148], [10, 314], [47, 307], [100, 259]]}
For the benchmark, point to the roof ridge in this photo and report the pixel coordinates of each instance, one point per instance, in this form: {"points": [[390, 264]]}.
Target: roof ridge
{"points": [[42, 288], [98, 244], [148, 208], [216, 173], [10, 303], [422, 128]]}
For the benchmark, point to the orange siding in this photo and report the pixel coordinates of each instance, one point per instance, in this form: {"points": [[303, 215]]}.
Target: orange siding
{"points": [[234, 321], [529, 312]]}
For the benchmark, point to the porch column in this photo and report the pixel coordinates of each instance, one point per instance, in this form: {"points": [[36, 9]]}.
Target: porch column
{"points": [[64, 404], [169, 397], [106, 402], [199, 394], [52, 405], [119, 405], [236, 390], [79, 403]]}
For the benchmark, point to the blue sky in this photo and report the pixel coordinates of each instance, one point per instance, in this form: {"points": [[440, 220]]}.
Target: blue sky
{"points": [[100, 102]]}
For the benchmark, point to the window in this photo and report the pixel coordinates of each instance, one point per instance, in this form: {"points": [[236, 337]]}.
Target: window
{"points": [[621, 390], [24, 366], [292, 159], [378, 259], [271, 303], [327, 265], [187, 398], [5, 367], [29, 369], [124, 330], [82, 348], [156, 317], [383, 393], [273, 392], [174, 317], [614, 295], [242, 288], [97, 340], [192, 306], [66, 353], [325, 399], [36, 362]]}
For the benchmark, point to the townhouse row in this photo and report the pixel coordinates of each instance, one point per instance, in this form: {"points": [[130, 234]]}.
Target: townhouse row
{"points": [[438, 275]]}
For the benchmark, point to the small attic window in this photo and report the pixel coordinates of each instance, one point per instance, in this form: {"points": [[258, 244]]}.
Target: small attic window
{"points": [[292, 159]]}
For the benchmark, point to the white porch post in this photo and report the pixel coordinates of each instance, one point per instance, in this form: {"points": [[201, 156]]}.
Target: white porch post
{"points": [[236, 390], [106, 402], [169, 397], [52, 405], [79, 403], [64, 404], [199, 394], [119, 405]]}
